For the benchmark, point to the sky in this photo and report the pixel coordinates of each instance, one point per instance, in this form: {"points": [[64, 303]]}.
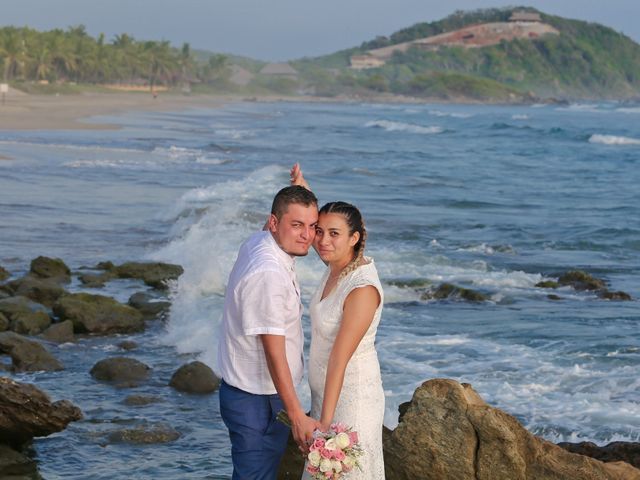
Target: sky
{"points": [[278, 30]]}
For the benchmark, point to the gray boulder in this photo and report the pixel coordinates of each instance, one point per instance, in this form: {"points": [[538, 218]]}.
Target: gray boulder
{"points": [[122, 371], [53, 268], [24, 315], [61, 332], [141, 400], [154, 274], [97, 314], [27, 355], [45, 291], [4, 274], [148, 305], [4, 322], [145, 434], [195, 377], [27, 412], [16, 466]]}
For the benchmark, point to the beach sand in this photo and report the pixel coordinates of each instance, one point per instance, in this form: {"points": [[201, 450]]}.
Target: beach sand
{"points": [[66, 112]]}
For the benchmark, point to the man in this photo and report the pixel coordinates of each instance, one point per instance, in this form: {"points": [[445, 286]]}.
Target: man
{"points": [[261, 339]]}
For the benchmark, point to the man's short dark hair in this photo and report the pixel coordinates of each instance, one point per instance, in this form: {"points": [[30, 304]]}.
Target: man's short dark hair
{"points": [[290, 195]]}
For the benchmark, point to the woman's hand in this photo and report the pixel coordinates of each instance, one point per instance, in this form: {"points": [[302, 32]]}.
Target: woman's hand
{"points": [[297, 178]]}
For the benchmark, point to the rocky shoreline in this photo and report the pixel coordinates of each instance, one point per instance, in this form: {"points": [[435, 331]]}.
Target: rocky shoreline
{"points": [[446, 432]]}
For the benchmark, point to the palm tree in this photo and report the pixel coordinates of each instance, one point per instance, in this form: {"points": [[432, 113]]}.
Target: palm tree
{"points": [[161, 64], [12, 51]]}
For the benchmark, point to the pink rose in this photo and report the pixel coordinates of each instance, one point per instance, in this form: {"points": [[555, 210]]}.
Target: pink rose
{"points": [[353, 436], [339, 427], [328, 474], [317, 444], [312, 470], [326, 453], [339, 455]]}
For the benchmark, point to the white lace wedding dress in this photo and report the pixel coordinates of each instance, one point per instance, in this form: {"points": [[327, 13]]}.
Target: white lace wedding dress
{"points": [[361, 402]]}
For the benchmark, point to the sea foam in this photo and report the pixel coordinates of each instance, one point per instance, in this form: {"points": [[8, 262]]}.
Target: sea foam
{"points": [[390, 126], [613, 140]]}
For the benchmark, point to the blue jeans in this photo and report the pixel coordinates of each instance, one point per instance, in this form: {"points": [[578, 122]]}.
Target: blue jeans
{"points": [[258, 440]]}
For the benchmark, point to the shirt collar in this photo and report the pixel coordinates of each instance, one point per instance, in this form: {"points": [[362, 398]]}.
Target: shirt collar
{"points": [[287, 260]]}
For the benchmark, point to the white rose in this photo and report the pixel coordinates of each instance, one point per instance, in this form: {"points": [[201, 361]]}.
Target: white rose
{"points": [[314, 458], [336, 465], [349, 462], [331, 444], [342, 440], [326, 465]]}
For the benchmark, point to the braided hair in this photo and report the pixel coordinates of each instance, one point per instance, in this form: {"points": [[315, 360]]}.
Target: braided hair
{"points": [[354, 220]]}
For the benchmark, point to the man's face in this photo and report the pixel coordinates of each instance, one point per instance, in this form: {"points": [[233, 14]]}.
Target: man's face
{"points": [[295, 231]]}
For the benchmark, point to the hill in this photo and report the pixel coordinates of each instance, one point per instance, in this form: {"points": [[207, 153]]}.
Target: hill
{"points": [[549, 56]]}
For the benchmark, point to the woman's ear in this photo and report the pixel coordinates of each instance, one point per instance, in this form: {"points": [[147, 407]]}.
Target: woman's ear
{"points": [[355, 238]]}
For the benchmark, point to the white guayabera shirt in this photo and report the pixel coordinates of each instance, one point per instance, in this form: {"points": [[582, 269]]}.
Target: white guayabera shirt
{"points": [[262, 297]]}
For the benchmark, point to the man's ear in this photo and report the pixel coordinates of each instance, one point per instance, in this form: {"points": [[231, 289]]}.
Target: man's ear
{"points": [[272, 223]]}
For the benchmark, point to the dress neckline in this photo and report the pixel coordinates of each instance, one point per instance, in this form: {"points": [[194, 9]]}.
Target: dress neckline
{"points": [[368, 261]]}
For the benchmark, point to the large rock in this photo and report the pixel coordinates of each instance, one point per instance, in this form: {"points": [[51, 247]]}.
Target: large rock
{"points": [[447, 291], [16, 466], [97, 314], [145, 434], [44, 291], [27, 355], [449, 433], [195, 377], [53, 268], [4, 322], [24, 315], [61, 332], [27, 412], [154, 274], [4, 274], [148, 305], [613, 452], [122, 371]]}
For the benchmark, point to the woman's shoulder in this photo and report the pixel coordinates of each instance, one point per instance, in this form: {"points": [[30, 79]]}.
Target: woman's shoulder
{"points": [[365, 274]]}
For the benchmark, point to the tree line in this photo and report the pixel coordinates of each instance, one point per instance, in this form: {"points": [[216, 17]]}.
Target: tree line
{"points": [[73, 55]]}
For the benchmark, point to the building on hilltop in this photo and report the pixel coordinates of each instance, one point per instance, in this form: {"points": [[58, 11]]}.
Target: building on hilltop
{"points": [[522, 16], [282, 70]]}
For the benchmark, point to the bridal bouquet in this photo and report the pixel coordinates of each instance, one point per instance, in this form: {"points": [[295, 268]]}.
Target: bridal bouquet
{"points": [[334, 453]]}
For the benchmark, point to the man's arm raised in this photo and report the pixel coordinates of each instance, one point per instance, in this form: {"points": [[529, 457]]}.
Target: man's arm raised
{"points": [[302, 426]]}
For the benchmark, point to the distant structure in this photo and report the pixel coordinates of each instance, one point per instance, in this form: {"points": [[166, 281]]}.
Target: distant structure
{"points": [[240, 76], [362, 62], [281, 70], [521, 25], [522, 16]]}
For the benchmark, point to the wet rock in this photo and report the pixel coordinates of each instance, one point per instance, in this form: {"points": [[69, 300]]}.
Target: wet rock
{"points": [[16, 466], [145, 434], [154, 274], [105, 266], [92, 280], [195, 377], [580, 280], [61, 332], [449, 433], [292, 464], [97, 314], [53, 268], [613, 452], [122, 371], [415, 283], [447, 291], [4, 323], [27, 412], [24, 315], [43, 291], [554, 297], [548, 284], [4, 274], [141, 400], [148, 305], [608, 295], [27, 355], [127, 345]]}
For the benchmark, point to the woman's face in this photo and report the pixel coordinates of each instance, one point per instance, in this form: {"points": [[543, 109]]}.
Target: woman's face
{"points": [[333, 241]]}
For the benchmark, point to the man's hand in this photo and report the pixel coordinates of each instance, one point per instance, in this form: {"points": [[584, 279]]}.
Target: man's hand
{"points": [[302, 428], [297, 178]]}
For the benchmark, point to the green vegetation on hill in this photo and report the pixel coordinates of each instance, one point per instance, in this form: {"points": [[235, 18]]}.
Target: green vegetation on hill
{"points": [[586, 60]]}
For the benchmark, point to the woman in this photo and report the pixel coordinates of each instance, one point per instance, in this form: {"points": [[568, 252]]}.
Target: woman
{"points": [[344, 373]]}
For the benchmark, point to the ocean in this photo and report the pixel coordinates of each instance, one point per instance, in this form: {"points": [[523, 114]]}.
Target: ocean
{"points": [[492, 198]]}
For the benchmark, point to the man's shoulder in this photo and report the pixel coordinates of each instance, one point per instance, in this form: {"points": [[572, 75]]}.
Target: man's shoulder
{"points": [[259, 254]]}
